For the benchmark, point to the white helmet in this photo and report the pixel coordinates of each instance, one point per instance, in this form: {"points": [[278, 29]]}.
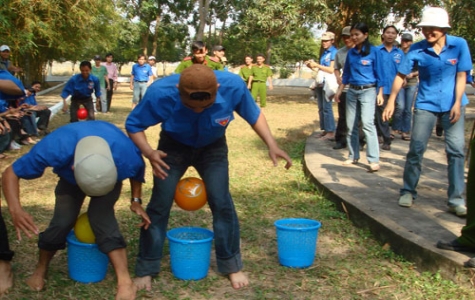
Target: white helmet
{"points": [[434, 17]]}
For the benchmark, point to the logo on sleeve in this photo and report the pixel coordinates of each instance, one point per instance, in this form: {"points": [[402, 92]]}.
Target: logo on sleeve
{"points": [[223, 121], [453, 61]]}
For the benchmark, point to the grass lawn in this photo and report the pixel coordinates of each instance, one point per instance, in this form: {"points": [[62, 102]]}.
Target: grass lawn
{"points": [[349, 264]]}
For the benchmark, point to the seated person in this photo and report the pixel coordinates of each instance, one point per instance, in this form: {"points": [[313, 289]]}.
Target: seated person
{"points": [[41, 112]]}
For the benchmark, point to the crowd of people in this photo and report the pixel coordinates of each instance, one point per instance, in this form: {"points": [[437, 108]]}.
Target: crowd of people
{"points": [[372, 84]]}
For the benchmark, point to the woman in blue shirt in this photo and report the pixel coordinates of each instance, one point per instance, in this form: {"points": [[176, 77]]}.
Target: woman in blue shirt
{"points": [[363, 73], [443, 62]]}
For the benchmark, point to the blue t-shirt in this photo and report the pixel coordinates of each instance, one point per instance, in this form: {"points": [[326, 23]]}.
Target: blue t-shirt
{"points": [[57, 149], [327, 56], [391, 61], [162, 104], [363, 70], [31, 100], [5, 75], [79, 87], [141, 72], [437, 73]]}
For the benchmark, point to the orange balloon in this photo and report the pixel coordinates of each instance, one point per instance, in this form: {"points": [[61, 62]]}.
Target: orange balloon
{"points": [[190, 194]]}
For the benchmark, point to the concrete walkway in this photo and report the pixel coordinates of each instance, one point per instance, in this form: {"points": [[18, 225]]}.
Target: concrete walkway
{"points": [[370, 200]]}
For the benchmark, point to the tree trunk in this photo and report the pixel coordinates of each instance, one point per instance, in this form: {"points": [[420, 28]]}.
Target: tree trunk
{"points": [[203, 10], [268, 51]]}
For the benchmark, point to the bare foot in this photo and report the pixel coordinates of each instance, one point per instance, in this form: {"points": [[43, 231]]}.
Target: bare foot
{"points": [[143, 283], [6, 276], [126, 292], [238, 280], [37, 281]]}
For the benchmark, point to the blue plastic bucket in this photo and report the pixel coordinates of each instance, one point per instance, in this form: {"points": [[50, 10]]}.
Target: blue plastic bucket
{"points": [[297, 241], [190, 252], [86, 263]]}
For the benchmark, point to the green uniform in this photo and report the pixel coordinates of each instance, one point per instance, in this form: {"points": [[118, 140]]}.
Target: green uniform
{"points": [[100, 72], [245, 72], [259, 78], [468, 231], [188, 61]]}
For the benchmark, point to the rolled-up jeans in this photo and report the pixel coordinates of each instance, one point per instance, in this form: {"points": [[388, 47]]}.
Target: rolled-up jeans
{"points": [[422, 128], [211, 162]]}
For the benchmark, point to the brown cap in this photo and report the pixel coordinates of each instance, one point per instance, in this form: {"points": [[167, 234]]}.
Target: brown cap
{"points": [[198, 79], [346, 30], [328, 36]]}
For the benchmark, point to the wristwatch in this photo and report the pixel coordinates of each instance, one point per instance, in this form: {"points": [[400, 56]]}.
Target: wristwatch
{"points": [[137, 200]]}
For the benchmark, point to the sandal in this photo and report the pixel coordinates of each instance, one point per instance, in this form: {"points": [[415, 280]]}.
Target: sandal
{"points": [[405, 136]]}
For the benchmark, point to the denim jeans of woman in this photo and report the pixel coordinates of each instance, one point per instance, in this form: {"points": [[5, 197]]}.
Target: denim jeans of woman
{"points": [[325, 111], [423, 126], [362, 103], [402, 117], [211, 162]]}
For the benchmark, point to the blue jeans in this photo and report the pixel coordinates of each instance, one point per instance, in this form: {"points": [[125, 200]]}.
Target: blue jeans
{"points": [[325, 111], [423, 125], [211, 162], [362, 103], [139, 90], [403, 114]]}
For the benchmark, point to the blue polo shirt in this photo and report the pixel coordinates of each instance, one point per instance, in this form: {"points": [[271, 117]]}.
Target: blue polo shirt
{"points": [[141, 72], [57, 149], [79, 87], [391, 60], [162, 104], [328, 55], [5, 75], [363, 70], [31, 100], [437, 73]]}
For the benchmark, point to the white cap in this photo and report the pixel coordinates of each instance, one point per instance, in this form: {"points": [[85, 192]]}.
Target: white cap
{"points": [[434, 17], [151, 57], [4, 47], [94, 168]]}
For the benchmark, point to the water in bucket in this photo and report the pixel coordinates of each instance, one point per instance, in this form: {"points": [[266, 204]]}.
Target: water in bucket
{"points": [[190, 252], [297, 242]]}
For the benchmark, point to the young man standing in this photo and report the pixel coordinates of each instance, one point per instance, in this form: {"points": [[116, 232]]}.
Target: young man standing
{"points": [[246, 70], [261, 74], [101, 73], [194, 110], [112, 74], [141, 77]]}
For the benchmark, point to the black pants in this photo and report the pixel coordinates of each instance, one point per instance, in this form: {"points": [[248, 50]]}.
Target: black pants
{"points": [[69, 199], [341, 128], [87, 103], [5, 252], [110, 92], [43, 118], [381, 126]]}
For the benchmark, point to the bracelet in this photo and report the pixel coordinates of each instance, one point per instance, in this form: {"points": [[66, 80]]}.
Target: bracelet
{"points": [[135, 200]]}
